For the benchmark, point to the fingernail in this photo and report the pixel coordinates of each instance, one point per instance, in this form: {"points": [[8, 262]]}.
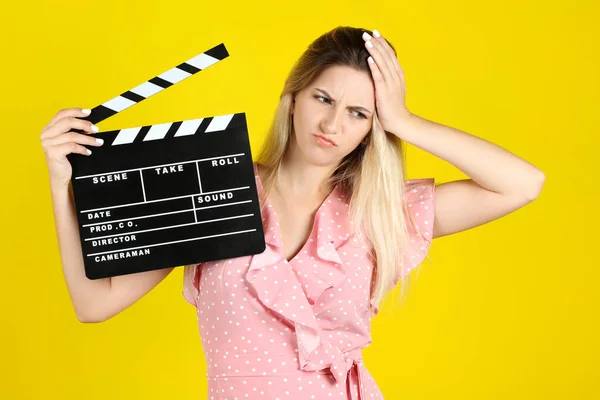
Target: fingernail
{"points": [[100, 141], [94, 128], [371, 60], [376, 33], [89, 152], [366, 36], [86, 111], [369, 44]]}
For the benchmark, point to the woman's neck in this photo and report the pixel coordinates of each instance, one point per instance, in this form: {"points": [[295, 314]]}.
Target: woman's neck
{"points": [[300, 178]]}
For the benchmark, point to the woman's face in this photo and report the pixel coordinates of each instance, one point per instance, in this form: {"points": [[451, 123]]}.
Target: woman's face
{"points": [[337, 106]]}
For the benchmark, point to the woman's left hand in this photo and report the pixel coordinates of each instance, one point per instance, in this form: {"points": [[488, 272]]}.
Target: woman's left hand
{"points": [[390, 90]]}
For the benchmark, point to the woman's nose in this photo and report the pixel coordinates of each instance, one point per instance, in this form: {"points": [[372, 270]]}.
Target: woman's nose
{"points": [[332, 121]]}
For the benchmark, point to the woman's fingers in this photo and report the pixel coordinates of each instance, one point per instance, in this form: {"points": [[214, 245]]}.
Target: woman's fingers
{"points": [[382, 58], [374, 52], [68, 112], [393, 56], [375, 72], [71, 137], [61, 150], [65, 124]]}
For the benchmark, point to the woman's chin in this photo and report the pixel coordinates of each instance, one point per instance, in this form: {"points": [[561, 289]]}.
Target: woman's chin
{"points": [[317, 157], [314, 154]]}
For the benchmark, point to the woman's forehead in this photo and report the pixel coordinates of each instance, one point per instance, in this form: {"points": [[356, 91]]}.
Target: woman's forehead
{"points": [[345, 83]]}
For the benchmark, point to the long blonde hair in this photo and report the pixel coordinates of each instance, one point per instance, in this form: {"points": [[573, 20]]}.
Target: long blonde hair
{"points": [[372, 175]]}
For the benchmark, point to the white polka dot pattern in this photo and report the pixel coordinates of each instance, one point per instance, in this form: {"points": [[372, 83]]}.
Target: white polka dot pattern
{"points": [[289, 330]]}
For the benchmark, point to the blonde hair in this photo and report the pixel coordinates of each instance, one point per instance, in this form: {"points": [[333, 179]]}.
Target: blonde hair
{"points": [[372, 175]]}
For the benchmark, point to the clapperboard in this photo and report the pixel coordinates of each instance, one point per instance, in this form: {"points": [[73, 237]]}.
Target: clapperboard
{"points": [[170, 194]]}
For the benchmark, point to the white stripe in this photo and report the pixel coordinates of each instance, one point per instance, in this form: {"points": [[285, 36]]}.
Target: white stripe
{"points": [[173, 226], [202, 61], [134, 218], [188, 127], [119, 103], [170, 198], [175, 241], [157, 131], [174, 75], [219, 123], [126, 136], [146, 89], [150, 216]]}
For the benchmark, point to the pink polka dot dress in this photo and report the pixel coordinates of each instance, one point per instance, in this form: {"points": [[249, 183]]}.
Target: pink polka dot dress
{"points": [[273, 329]]}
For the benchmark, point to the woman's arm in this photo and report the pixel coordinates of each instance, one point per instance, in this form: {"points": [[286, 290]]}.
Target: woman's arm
{"points": [[99, 299], [500, 182]]}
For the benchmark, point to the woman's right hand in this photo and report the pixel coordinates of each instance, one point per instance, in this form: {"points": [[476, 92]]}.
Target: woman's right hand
{"points": [[58, 140]]}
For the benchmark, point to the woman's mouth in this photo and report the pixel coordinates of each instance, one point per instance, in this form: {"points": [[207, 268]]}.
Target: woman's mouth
{"points": [[323, 141]]}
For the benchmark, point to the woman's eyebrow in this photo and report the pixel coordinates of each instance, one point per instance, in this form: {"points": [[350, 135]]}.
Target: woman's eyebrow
{"points": [[358, 108]]}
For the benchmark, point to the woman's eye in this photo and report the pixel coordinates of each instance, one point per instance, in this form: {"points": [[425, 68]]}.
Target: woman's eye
{"points": [[357, 114]]}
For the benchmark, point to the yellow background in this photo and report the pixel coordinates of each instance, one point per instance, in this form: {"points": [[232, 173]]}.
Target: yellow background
{"points": [[508, 310]]}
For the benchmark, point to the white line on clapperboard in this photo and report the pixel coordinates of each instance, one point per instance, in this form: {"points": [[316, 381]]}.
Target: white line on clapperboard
{"points": [[206, 221], [167, 198], [175, 241], [167, 213], [159, 215]]}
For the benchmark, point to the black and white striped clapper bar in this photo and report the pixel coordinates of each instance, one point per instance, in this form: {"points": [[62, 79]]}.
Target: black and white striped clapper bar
{"points": [[170, 194]]}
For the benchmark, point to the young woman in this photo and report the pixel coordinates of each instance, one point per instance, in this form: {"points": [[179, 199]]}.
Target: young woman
{"points": [[342, 226]]}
